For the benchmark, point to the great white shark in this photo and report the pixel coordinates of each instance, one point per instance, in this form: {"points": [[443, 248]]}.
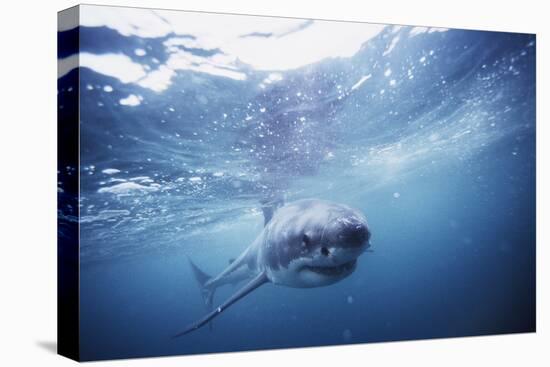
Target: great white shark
{"points": [[304, 244]]}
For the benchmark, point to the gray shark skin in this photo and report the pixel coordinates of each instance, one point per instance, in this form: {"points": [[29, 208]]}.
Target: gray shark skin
{"points": [[307, 243]]}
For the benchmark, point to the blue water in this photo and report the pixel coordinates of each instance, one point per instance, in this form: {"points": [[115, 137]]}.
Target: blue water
{"points": [[436, 148]]}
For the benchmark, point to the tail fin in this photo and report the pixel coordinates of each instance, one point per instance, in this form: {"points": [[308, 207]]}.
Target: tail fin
{"points": [[253, 284], [207, 293]]}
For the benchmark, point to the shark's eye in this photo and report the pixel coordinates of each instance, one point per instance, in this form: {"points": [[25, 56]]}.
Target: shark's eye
{"points": [[325, 251], [306, 240]]}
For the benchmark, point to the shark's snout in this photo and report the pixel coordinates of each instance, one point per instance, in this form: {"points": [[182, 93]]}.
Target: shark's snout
{"points": [[349, 231]]}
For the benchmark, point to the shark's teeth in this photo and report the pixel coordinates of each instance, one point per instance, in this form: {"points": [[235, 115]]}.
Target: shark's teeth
{"points": [[333, 270]]}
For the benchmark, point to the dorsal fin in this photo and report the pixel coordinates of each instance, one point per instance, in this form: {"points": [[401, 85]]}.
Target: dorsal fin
{"points": [[270, 206], [268, 213]]}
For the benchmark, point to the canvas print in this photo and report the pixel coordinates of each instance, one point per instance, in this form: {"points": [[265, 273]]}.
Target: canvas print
{"points": [[237, 182]]}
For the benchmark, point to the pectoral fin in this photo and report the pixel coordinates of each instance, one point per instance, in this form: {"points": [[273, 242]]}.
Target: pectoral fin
{"points": [[249, 287]]}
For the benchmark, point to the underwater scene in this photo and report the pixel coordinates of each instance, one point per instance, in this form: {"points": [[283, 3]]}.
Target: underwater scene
{"points": [[332, 182]]}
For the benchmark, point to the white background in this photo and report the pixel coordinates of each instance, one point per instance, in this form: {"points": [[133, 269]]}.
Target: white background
{"points": [[28, 183]]}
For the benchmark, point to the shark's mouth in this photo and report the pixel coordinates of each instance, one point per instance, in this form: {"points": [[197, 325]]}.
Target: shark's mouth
{"points": [[333, 270]]}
